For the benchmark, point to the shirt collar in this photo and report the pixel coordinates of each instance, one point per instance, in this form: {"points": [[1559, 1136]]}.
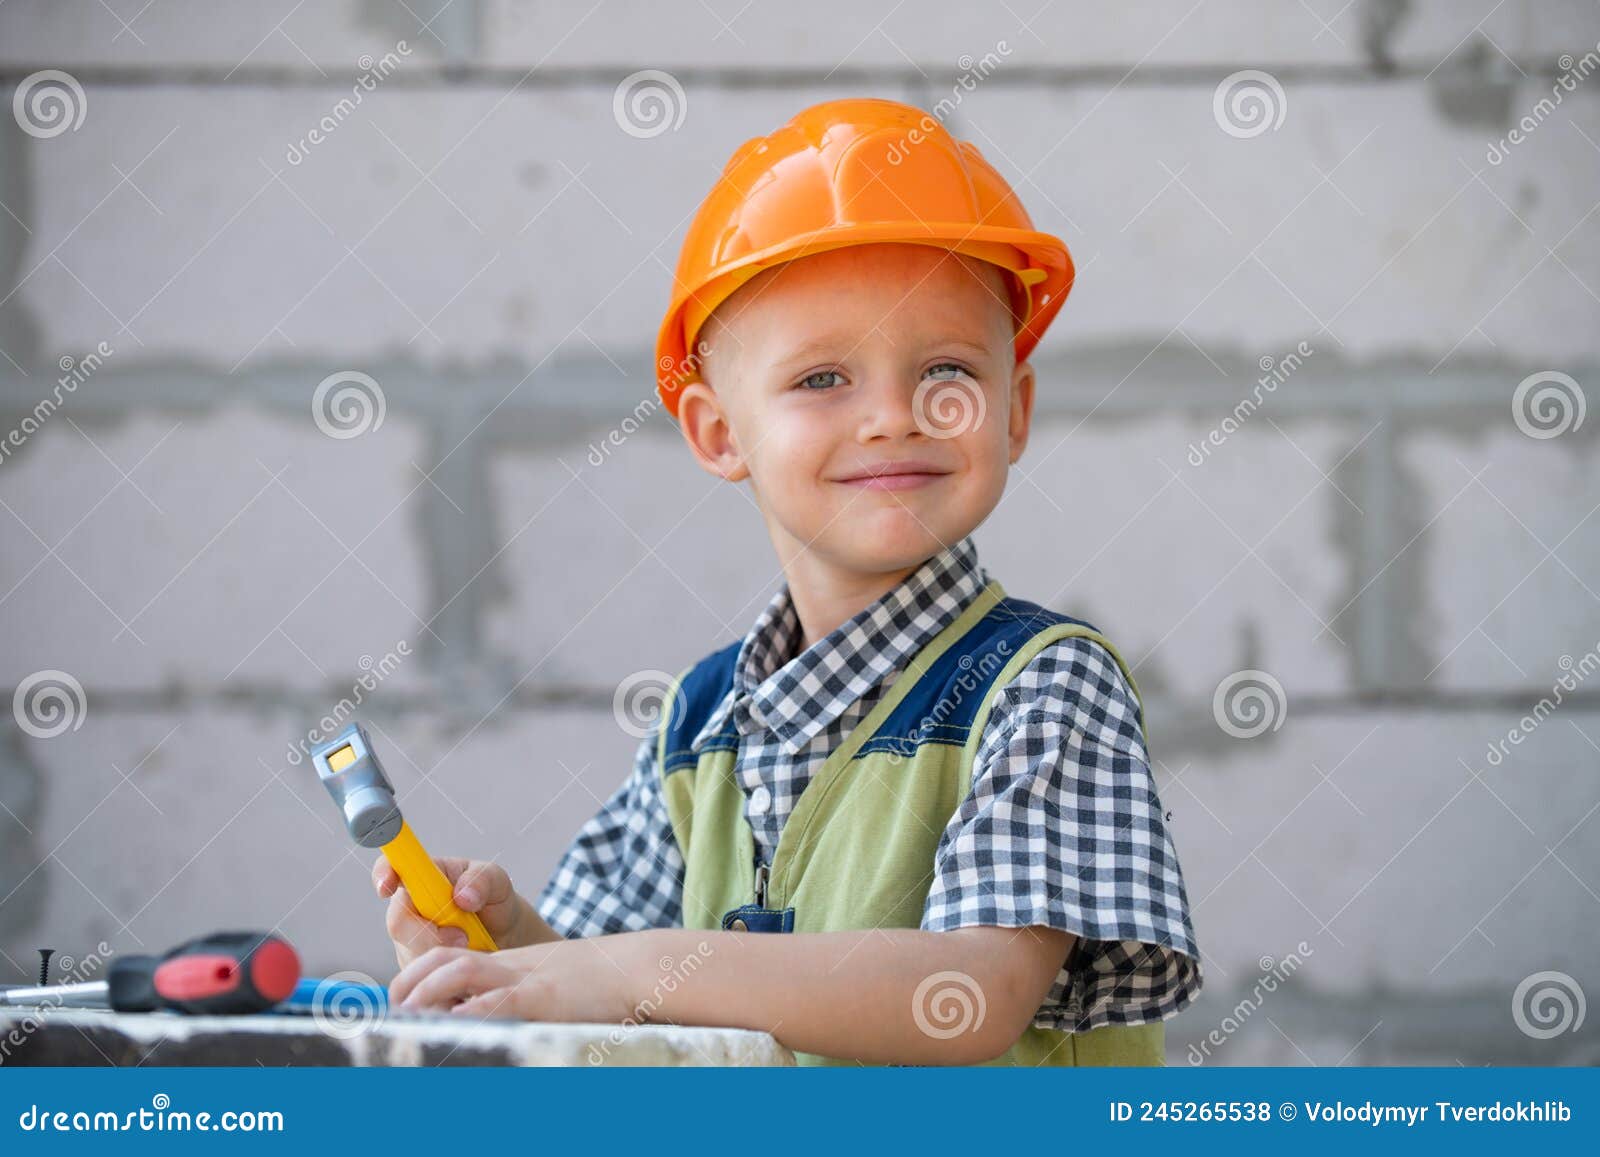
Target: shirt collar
{"points": [[797, 696]]}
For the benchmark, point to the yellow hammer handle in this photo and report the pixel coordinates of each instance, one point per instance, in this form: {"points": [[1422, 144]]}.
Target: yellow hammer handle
{"points": [[430, 889]]}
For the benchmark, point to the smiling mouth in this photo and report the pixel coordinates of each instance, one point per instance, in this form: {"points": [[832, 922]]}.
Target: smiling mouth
{"points": [[908, 477]]}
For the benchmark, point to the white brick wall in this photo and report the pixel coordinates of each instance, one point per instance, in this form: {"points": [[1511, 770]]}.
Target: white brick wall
{"points": [[484, 225]]}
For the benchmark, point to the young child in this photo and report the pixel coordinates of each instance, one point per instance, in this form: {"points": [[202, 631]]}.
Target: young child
{"points": [[908, 818]]}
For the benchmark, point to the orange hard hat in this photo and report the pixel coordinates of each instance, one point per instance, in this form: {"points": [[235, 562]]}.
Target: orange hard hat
{"points": [[854, 172]]}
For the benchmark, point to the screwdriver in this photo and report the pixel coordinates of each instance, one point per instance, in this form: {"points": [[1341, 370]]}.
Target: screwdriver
{"points": [[225, 972]]}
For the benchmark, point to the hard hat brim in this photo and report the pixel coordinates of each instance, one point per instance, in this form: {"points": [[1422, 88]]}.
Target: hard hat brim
{"points": [[1039, 263]]}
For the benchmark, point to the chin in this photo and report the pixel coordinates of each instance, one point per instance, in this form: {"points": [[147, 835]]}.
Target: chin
{"points": [[894, 541]]}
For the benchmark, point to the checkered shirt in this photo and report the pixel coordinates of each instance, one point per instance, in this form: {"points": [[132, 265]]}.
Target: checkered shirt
{"points": [[1062, 827]]}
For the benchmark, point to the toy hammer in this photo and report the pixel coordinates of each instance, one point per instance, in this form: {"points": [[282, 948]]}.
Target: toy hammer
{"points": [[350, 771]]}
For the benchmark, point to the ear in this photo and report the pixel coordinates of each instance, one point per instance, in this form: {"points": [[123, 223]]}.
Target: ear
{"points": [[708, 432], [1021, 412]]}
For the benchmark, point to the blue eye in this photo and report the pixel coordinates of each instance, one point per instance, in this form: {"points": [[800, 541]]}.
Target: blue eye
{"points": [[956, 366], [805, 382]]}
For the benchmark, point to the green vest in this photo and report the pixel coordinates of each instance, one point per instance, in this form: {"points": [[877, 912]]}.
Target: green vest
{"points": [[858, 849]]}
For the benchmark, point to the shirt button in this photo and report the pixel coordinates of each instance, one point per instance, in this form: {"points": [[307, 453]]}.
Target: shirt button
{"points": [[760, 801]]}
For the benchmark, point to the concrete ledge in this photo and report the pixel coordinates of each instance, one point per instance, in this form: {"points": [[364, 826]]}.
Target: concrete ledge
{"points": [[91, 1037]]}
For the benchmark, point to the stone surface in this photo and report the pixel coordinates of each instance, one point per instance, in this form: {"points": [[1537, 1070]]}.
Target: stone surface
{"points": [[1393, 846], [226, 549], [1512, 549], [89, 1037], [231, 35], [512, 35], [1452, 259], [447, 224], [1154, 35]]}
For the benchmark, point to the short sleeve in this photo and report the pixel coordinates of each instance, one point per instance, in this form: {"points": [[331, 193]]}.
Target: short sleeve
{"points": [[623, 871], [1063, 828]]}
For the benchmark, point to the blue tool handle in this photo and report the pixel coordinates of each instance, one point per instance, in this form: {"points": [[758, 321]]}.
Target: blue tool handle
{"points": [[328, 995]]}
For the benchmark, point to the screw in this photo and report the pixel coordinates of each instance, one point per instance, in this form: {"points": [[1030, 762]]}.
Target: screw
{"points": [[44, 965]]}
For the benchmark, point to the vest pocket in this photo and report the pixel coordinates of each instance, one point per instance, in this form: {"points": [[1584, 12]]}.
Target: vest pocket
{"points": [[754, 918]]}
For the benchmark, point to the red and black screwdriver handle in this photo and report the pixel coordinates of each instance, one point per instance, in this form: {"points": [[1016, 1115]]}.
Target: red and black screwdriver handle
{"points": [[225, 972]]}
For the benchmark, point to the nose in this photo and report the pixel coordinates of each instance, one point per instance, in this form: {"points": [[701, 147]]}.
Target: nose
{"points": [[887, 407]]}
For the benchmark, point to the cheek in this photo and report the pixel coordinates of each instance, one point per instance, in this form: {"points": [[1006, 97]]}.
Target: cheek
{"points": [[989, 446], [798, 448], [985, 461]]}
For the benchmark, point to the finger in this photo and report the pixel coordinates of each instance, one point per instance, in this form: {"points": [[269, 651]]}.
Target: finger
{"points": [[407, 927], [406, 980], [482, 885], [410, 930], [403, 924], [384, 878], [462, 973], [496, 1004], [452, 866], [419, 932]]}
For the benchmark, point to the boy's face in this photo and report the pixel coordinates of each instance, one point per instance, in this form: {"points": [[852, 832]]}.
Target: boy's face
{"points": [[833, 367]]}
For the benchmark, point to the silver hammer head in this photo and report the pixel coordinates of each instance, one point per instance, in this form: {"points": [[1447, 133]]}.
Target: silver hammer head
{"points": [[354, 777]]}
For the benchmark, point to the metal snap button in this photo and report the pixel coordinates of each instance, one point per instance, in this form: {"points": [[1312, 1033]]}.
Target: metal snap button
{"points": [[738, 926]]}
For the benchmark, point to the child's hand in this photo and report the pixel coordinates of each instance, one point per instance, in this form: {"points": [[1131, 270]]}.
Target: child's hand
{"points": [[479, 887], [575, 980]]}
